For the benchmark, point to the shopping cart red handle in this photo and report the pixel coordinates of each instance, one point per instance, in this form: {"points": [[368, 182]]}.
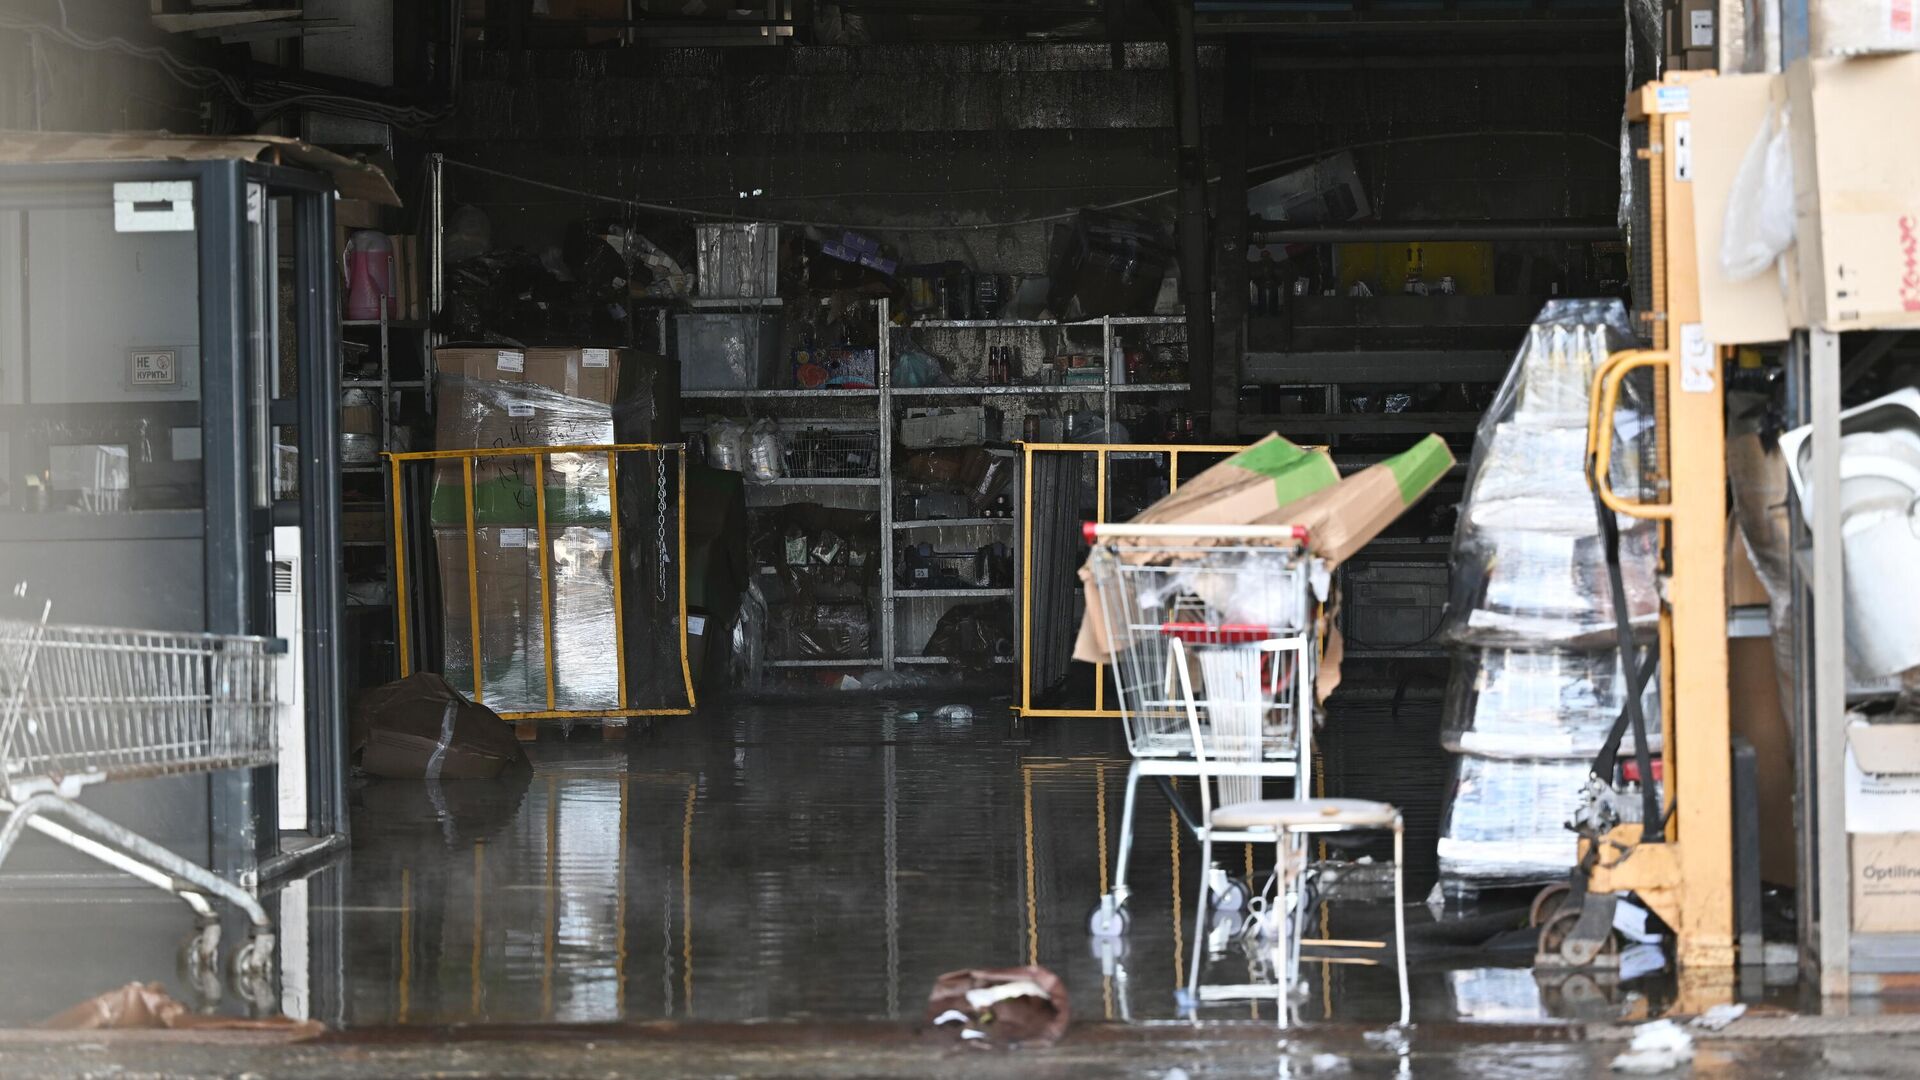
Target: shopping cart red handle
{"points": [[1194, 633], [1095, 531]]}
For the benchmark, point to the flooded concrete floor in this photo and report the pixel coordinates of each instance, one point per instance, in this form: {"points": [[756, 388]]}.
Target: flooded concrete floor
{"points": [[808, 867]]}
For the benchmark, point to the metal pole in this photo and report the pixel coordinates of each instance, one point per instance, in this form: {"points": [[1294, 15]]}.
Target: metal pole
{"points": [[324, 597], [1196, 276], [225, 444], [1827, 721]]}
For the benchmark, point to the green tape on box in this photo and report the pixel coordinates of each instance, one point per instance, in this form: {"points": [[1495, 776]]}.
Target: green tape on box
{"points": [[1296, 472], [1419, 468]]}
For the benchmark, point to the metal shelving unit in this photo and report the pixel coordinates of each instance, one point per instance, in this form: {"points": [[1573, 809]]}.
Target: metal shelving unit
{"points": [[950, 523], [1107, 390], [385, 391], [883, 398]]}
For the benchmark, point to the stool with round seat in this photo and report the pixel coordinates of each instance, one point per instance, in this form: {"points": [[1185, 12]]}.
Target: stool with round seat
{"points": [[1290, 821]]}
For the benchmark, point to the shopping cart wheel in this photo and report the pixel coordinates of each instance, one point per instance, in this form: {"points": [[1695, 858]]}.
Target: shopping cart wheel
{"points": [[253, 970], [1108, 919], [200, 964], [1229, 892]]}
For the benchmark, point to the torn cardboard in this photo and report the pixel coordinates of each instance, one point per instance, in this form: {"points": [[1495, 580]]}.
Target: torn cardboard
{"points": [[1275, 482], [421, 728]]}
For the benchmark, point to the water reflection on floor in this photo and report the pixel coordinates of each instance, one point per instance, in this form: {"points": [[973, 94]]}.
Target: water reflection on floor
{"points": [[762, 860]]}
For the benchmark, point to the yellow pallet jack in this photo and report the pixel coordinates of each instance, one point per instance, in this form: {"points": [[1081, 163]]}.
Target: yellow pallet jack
{"points": [[1677, 860]]}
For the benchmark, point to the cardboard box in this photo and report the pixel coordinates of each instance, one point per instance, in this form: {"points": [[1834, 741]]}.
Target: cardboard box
{"points": [[592, 374], [1275, 482], [1886, 883], [356, 214], [1744, 587], [1727, 113], [503, 365], [512, 634], [359, 420], [1702, 59], [1887, 799], [1856, 190], [1862, 27], [1753, 685]]}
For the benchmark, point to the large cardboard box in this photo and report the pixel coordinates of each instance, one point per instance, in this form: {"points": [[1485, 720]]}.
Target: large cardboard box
{"points": [[504, 365], [1886, 882], [1753, 686], [1856, 190], [513, 634], [1861, 27], [593, 374], [1275, 482], [1883, 810], [1727, 113]]}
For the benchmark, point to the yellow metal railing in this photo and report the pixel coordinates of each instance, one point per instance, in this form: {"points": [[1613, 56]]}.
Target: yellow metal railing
{"points": [[1103, 453], [397, 463]]}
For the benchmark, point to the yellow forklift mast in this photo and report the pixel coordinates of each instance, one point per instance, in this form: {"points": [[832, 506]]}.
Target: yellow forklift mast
{"points": [[1680, 866]]}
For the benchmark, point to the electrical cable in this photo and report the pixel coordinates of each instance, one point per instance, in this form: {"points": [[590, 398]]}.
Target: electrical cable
{"points": [[1040, 219]]}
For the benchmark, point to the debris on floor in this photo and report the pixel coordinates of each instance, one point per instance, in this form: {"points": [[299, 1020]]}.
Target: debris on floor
{"points": [[1000, 1006], [1719, 1016], [421, 728], [148, 1006], [1656, 1048]]}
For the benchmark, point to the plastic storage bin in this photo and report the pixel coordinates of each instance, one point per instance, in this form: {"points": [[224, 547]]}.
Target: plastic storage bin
{"points": [[727, 352]]}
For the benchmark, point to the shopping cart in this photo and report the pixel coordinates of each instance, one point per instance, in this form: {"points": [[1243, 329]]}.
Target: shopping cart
{"points": [[83, 705], [1233, 605]]}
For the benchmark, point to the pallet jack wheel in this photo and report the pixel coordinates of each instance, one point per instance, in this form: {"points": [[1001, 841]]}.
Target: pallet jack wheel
{"points": [[1548, 903], [1554, 933]]}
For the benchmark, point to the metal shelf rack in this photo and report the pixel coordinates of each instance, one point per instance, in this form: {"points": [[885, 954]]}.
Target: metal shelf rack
{"points": [[791, 405]]}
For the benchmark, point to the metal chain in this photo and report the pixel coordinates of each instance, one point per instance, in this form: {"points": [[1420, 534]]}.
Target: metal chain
{"points": [[660, 522]]}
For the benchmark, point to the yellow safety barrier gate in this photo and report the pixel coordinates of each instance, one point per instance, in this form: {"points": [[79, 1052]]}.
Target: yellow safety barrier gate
{"points": [[1103, 454], [540, 456]]}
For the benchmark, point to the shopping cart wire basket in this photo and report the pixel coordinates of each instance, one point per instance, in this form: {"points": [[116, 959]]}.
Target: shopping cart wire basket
{"points": [[83, 705]]}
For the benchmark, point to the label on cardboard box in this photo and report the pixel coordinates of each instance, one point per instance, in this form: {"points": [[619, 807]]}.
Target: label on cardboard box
{"points": [[1886, 882], [519, 411], [1672, 99], [596, 358], [1887, 800], [1696, 360], [513, 538], [510, 360], [1700, 28]]}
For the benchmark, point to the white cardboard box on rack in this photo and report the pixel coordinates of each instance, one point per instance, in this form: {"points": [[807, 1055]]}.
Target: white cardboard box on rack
{"points": [[966, 425], [1883, 809]]}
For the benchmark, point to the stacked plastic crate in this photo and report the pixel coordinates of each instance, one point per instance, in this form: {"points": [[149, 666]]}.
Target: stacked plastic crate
{"points": [[1537, 681]]}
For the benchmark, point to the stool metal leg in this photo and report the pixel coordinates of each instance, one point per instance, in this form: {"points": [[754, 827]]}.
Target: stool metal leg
{"points": [[1283, 949], [1199, 943], [1400, 918]]}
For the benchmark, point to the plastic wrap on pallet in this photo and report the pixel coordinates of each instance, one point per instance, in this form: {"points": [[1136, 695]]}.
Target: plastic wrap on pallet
{"points": [[513, 637], [1528, 564], [1547, 589], [1505, 822], [488, 413], [1522, 703]]}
